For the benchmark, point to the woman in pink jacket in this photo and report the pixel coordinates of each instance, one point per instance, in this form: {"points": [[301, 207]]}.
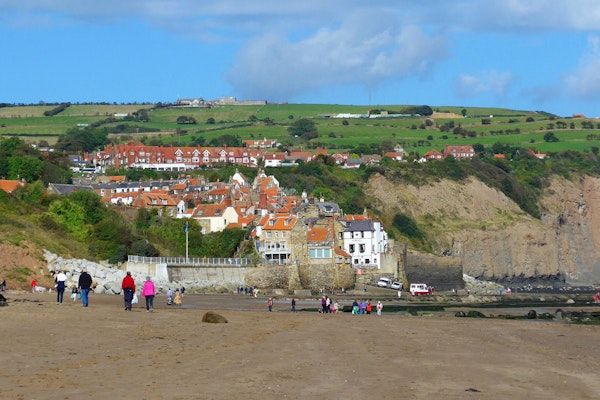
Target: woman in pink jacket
{"points": [[148, 292]]}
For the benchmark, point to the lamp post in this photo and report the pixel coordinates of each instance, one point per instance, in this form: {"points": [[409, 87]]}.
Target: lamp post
{"points": [[186, 241]]}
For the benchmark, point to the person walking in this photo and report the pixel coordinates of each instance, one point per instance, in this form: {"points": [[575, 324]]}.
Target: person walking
{"points": [[294, 305], [369, 306], [128, 286], [379, 307], [84, 284], [169, 297], [33, 285], [270, 304], [60, 279], [177, 300], [148, 291]]}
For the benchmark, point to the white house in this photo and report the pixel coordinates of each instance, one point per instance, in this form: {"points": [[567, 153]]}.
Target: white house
{"points": [[365, 241]]}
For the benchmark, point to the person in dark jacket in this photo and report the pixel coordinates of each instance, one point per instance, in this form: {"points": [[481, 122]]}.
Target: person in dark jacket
{"points": [[128, 287], [84, 285]]}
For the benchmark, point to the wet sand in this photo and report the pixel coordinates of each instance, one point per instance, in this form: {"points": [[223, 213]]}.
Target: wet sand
{"points": [[51, 351]]}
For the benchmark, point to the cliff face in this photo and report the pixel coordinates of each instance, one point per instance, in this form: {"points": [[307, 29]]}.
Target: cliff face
{"points": [[495, 239]]}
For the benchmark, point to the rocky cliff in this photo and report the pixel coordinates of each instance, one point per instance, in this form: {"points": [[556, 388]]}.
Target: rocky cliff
{"points": [[495, 239]]}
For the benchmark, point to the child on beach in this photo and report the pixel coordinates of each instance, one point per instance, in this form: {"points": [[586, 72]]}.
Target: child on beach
{"points": [[177, 299]]}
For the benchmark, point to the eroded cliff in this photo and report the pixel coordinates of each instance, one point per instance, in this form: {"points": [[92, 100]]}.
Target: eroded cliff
{"points": [[494, 238]]}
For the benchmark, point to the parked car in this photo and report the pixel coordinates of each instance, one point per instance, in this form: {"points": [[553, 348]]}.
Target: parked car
{"points": [[396, 285], [384, 282]]}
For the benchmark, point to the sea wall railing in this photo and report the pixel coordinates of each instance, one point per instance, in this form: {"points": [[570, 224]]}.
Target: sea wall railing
{"points": [[193, 261]]}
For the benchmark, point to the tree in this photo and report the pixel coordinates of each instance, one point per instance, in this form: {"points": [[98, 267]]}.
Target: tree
{"points": [[326, 193], [550, 137], [199, 141], [301, 127], [229, 140], [478, 147], [94, 209], [25, 167], [463, 112], [184, 119]]}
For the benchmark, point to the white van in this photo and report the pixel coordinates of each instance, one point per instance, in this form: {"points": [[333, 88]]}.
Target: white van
{"points": [[384, 282], [419, 289]]}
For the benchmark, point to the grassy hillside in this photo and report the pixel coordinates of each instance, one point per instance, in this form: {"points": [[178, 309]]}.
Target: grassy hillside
{"points": [[512, 127]]}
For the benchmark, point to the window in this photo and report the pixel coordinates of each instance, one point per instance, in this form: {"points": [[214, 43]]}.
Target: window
{"points": [[362, 248], [268, 235], [320, 253], [351, 249]]}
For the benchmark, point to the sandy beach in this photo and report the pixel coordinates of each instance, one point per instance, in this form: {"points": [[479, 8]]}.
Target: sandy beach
{"points": [[66, 351]]}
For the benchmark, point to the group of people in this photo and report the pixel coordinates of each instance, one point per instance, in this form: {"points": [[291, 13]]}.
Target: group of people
{"points": [[252, 291], [148, 292], [175, 298], [84, 285], [365, 307], [328, 306]]}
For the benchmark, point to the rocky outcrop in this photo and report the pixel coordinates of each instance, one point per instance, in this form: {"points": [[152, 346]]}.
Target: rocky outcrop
{"points": [[494, 239]]}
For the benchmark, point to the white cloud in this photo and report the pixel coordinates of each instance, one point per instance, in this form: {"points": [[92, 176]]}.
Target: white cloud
{"points": [[584, 82], [367, 49], [488, 82], [529, 16]]}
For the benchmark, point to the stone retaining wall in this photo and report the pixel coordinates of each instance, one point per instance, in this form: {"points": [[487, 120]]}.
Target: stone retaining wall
{"points": [[443, 273]]}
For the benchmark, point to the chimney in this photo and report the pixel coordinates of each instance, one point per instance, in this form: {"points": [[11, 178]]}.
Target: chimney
{"points": [[262, 202]]}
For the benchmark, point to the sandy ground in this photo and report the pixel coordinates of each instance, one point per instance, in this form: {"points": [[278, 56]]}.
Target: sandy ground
{"points": [[51, 351]]}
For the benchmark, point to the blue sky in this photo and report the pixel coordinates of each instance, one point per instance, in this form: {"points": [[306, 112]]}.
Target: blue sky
{"points": [[519, 54]]}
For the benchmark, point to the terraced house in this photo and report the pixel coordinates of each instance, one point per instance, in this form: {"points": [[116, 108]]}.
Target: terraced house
{"points": [[273, 237]]}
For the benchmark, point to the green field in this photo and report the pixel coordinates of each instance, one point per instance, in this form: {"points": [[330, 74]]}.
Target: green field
{"points": [[272, 120]]}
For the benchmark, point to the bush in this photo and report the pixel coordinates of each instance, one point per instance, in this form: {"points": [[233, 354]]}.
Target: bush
{"points": [[407, 226]]}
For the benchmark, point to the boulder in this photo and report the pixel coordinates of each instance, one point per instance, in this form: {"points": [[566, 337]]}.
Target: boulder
{"points": [[112, 287], [214, 318], [532, 314]]}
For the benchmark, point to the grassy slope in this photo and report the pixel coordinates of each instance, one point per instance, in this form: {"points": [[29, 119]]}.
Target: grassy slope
{"points": [[234, 120]]}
